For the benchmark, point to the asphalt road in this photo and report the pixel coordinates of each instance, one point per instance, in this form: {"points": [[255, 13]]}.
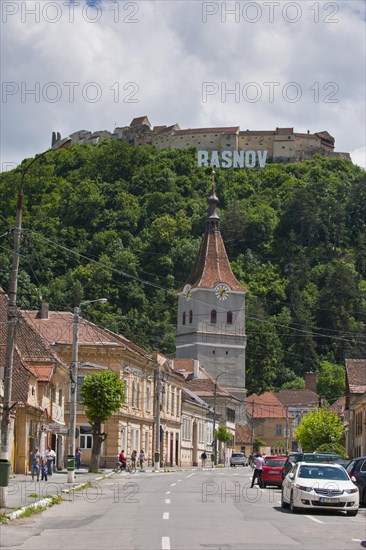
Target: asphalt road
{"points": [[202, 510]]}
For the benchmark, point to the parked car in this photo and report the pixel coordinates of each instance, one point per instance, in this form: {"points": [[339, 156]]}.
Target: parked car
{"points": [[272, 470], [319, 486], [293, 458], [357, 468], [239, 459]]}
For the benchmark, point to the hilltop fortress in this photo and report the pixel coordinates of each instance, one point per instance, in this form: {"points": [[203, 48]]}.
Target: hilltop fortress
{"points": [[281, 144]]}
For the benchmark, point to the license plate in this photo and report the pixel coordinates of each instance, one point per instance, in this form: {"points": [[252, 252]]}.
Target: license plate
{"points": [[273, 472], [332, 500]]}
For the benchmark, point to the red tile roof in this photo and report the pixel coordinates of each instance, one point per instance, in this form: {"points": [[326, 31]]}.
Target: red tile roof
{"points": [[298, 398], [265, 406], [42, 372], [212, 265], [356, 375]]}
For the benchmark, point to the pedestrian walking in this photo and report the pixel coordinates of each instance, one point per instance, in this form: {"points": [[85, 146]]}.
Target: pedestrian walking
{"points": [[44, 470], [133, 458], [142, 458], [78, 458], [258, 469], [35, 460], [50, 456], [203, 458]]}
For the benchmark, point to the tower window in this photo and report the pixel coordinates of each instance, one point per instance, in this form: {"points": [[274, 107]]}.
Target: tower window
{"points": [[190, 316], [213, 352], [184, 318], [229, 317], [213, 316]]}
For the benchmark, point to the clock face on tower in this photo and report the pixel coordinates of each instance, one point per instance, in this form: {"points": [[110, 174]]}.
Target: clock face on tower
{"points": [[222, 291]]}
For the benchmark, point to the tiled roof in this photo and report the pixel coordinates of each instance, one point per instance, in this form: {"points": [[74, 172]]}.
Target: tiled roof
{"points": [[212, 265], [356, 375], [284, 131], [265, 406], [257, 133], [139, 120], [204, 384], [242, 433], [223, 130], [298, 398], [42, 372], [339, 406], [58, 328]]}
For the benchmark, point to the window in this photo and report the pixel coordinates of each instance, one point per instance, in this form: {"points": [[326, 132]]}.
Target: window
{"points": [[138, 396], [190, 316], [184, 318], [123, 437], [177, 411], [86, 437], [126, 390], [146, 443], [173, 401], [229, 317], [60, 398], [80, 383], [279, 429], [213, 316], [133, 403], [230, 415], [148, 398]]}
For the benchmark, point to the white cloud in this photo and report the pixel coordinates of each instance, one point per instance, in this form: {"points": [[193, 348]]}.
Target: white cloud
{"points": [[169, 52]]}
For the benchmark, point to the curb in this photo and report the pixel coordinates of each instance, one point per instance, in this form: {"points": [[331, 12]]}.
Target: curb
{"points": [[48, 502]]}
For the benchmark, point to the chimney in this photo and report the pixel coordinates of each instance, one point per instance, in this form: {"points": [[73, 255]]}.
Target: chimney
{"points": [[196, 368], [310, 381], [43, 312]]}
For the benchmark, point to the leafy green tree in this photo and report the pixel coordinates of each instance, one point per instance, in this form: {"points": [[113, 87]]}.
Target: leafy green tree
{"points": [[331, 381], [223, 434], [103, 394], [319, 427], [336, 448]]}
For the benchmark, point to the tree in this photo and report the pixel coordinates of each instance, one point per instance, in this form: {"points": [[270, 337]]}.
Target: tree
{"points": [[103, 394], [319, 427], [223, 434], [331, 381]]}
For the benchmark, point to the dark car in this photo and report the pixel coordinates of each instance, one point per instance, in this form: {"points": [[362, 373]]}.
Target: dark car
{"points": [[357, 469], [293, 458]]}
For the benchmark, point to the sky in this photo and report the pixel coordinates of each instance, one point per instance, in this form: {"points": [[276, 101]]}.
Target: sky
{"points": [[70, 65]]}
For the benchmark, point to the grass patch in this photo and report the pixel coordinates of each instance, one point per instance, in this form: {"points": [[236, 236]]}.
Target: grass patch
{"points": [[83, 486], [33, 495]]}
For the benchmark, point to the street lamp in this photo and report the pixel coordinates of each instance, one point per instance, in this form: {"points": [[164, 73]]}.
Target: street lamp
{"points": [[214, 426], [11, 323], [74, 389]]}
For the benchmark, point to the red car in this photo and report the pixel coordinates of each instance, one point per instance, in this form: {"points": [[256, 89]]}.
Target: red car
{"points": [[272, 470]]}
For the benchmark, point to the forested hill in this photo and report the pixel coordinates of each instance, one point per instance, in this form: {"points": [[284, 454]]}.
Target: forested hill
{"points": [[125, 223]]}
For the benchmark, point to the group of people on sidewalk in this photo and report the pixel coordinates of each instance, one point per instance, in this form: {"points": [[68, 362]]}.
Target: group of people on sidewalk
{"points": [[42, 464], [123, 459]]}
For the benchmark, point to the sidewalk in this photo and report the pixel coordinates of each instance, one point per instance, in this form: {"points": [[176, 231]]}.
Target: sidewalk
{"points": [[23, 492]]}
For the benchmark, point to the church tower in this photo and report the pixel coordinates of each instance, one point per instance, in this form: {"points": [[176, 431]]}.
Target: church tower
{"points": [[211, 311]]}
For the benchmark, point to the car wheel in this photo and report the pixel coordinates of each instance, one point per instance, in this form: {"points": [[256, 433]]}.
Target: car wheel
{"points": [[284, 504], [293, 508], [352, 512]]}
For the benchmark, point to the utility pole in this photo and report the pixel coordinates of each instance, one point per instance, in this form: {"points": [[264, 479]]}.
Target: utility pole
{"points": [[157, 418], [286, 408], [11, 324], [252, 431]]}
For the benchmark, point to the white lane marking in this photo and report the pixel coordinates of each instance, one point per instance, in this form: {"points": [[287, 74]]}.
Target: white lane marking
{"points": [[172, 484], [179, 480], [357, 540], [190, 475], [314, 519], [279, 502], [166, 515], [168, 492], [167, 501], [165, 543]]}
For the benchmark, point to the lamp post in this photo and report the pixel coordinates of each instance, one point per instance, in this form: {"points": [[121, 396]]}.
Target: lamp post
{"points": [[11, 324], [74, 389], [214, 426]]}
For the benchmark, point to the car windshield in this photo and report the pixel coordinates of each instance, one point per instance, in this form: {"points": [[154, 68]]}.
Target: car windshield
{"points": [[274, 462], [320, 472]]}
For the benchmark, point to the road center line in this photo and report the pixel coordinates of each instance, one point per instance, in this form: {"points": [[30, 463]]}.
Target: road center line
{"points": [[179, 480], [314, 519], [167, 501], [190, 475], [172, 484], [166, 515], [165, 543], [168, 492]]}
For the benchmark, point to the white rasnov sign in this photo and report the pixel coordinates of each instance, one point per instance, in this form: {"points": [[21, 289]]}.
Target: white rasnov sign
{"points": [[232, 159]]}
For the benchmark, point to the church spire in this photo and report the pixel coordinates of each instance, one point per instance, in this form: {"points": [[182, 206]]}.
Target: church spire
{"points": [[212, 220]]}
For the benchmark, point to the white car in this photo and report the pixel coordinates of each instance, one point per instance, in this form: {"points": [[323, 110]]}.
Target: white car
{"points": [[319, 486]]}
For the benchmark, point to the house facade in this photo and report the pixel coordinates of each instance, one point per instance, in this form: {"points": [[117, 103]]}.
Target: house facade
{"points": [[355, 408]]}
